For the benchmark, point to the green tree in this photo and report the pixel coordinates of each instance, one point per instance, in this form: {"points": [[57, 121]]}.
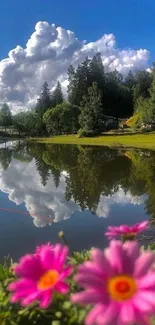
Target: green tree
{"points": [[19, 122], [5, 116], [57, 95], [92, 115], [143, 108], [62, 119], [143, 81], [152, 98], [44, 101]]}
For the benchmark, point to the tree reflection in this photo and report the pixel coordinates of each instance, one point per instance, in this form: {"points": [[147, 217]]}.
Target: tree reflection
{"points": [[90, 171]]}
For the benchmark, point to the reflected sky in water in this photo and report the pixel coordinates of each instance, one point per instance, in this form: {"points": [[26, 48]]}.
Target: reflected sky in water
{"points": [[80, 190]]}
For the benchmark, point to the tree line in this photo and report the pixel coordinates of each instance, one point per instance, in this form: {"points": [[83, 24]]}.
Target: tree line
{"points": [[92, 95]]}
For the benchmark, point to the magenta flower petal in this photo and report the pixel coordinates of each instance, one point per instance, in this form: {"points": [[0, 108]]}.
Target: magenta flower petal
{"points": [[133, 249], [109, 315], [90, 267], [45, 299], [29, 267], [47, 257], [89, 281], [30, 298], [127, 314], [118, 256], [42, 274], [88, 297], [142, 319], [126, 231], [147, 281], [94, 314], [127, 288], [62, 287], [100, 260], [142, 302], [21, 285], [66, 272], [143, 263]]}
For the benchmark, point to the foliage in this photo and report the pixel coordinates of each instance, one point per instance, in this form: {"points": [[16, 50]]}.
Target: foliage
{"points": [[28, 123], [116, 95], [44, 101], [143, 108], [5, 116], [62, 119], [92, 114], [57, 96], [132, 121]]}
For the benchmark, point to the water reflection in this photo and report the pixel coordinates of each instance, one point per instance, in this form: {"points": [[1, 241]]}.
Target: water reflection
{"points": [[78, 189], [54, 181]]}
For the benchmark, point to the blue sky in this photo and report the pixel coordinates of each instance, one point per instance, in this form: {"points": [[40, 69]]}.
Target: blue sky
{"points": [[123, 31], [132, 21]]}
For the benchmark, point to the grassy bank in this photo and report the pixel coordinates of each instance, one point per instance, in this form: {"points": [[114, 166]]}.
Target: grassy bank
{"points": [[146, 141]]}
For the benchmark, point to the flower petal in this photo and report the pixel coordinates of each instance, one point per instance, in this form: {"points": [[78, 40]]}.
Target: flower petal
{"points": [[145, 300], [127, 313], [31, 298], [22, 284], [89, 296], [62, 287], [118, 256], [93, 314], [109, 315], [89, 281], [29, 267], [47, 258], [147, 281], [66, 272], [46, 299], [143, 263], [101, 261]]}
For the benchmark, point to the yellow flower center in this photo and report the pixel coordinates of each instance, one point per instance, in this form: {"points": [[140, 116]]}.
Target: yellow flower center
{"points": [[121, 287], [48, 280]]}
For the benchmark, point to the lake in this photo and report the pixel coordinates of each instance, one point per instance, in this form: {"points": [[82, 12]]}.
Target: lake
{"points": [[78, 189]]}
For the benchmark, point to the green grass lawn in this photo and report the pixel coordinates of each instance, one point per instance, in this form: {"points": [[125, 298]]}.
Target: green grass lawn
{"points": [[129, 141]]}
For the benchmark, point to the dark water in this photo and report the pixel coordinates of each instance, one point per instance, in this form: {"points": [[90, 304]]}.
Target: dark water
{"points": [[78, 189]]}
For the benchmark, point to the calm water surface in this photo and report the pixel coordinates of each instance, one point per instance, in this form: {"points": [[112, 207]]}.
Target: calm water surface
{"points": [[78, 189]]}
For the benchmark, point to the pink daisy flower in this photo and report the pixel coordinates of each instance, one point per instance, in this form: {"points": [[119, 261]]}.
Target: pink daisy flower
{"points": [[40, 275], [120, 283], [127, 232]]}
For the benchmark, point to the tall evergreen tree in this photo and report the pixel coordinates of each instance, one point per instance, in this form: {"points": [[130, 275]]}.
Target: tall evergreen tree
{"points": [[44, 101], [152, 98], [143, 81], [5, 116], [92, 114], [43, 171], [57, 95]]}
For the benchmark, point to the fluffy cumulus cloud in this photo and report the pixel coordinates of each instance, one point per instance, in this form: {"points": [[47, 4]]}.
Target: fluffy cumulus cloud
{"points": [[47, 55], [46, 205]]}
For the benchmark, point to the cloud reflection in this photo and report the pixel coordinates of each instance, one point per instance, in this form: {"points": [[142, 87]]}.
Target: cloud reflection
{"points": [[46, 205]]}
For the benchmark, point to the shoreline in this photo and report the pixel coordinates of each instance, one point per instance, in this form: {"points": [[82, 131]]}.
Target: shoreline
{"points": [[141, 141]]}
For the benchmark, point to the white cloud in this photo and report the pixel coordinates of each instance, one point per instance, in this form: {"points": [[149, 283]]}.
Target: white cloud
{"points": [[121, 198], [47, 204], [47, 55]]}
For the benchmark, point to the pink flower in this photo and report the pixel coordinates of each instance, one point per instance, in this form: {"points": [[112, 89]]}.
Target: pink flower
{"points": [[120, 283], [39, 248], [127, 232], [40, 275]]}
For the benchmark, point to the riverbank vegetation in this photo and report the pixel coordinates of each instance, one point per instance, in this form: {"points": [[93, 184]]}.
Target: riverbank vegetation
{"points": [[93, 95]]}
